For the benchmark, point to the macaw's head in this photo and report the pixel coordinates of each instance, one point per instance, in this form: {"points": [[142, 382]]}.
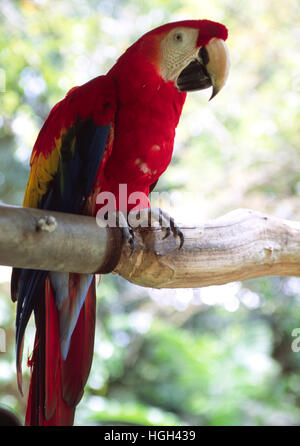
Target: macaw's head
{"points": [[192, 54]]}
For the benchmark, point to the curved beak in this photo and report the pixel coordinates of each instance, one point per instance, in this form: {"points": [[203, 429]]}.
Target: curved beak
{"points": [[209, 69], [218, 64]]}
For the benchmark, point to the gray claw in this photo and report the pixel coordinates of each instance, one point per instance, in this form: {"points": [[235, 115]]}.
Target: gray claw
{"points": [[175, 231], [168, 232], [129, 239], [181, 236]]}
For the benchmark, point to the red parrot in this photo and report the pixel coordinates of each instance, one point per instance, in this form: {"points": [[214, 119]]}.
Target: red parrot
{"points": [[115, 129]]}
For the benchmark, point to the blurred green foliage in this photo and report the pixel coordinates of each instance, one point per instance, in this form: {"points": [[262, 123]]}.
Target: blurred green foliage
{"points": [[212, 356]]}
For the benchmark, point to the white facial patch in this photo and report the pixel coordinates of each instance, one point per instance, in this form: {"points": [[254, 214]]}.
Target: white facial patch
{"points": [[178, 49]]}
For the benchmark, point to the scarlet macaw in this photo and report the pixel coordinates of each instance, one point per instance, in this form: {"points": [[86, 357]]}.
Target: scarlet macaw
{"points": [[115, 129]]}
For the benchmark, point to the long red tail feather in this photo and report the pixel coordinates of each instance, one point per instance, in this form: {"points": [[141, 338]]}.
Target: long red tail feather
{"points": [[56, 385]]}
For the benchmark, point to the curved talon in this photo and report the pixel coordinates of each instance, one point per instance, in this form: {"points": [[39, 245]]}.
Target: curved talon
{"points": [[129, 238], [127, 232], [175, 231], [132, 242], [181, 236], [168, 232]]}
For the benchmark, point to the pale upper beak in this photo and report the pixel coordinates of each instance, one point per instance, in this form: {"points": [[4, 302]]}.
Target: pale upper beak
{"points": [[209, 69], [218, 65]]}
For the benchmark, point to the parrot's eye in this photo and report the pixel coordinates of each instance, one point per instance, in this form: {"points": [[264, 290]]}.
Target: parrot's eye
{"points": [[178, 37]]}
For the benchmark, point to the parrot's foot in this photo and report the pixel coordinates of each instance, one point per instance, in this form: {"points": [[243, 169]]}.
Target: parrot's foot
{"points": [[150, 217], [127, 232], [116, 219]]}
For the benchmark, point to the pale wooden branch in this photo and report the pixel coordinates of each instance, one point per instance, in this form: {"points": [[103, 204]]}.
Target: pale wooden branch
{"points": [[240, 245]]}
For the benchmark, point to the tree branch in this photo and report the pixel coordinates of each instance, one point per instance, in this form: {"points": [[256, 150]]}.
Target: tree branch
{"points": [[52, 241], [240, 245]]}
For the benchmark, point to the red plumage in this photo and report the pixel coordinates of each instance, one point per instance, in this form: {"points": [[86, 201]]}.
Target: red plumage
{"points": [[57, 384], [115, 129]]}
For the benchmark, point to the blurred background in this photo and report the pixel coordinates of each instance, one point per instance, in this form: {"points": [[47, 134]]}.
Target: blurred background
{"points": [[210, 356]]}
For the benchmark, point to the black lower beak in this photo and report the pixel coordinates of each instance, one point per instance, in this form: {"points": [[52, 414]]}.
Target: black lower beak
{"points": [[194, 77]]}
